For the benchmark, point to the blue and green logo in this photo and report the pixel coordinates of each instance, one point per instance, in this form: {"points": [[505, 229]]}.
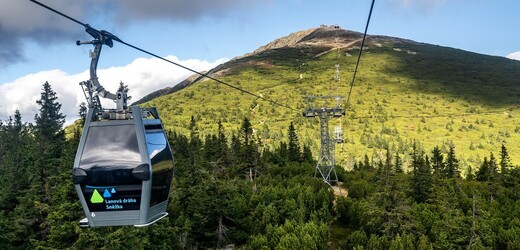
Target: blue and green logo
{"points": [[96, 197]]}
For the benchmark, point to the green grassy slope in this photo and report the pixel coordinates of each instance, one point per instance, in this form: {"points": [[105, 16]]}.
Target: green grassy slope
{"points": [[404, 91]]}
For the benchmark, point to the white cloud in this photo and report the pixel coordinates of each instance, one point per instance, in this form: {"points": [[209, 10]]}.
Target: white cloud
{"points": [[22, 20], [514, 55], [143, 76]]}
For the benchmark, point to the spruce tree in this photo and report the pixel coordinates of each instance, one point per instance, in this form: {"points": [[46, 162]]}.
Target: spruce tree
{"points": [[82, 112], [49, 136], [15, 157], [223, 145], [307, 154], [421, 177], [505, 162], [388, 162], [283, 152], [452, 164], [2, 143], [246, 131], [493, 168], [398, 163], [49, 121], [48, 165], [236, 149], [492, 177], [366, 164], [386, 170], [483, 172], [293, 145], [195, 145], [470, 176], [124, 88], [380, 170], [249, 148], [194, 130], [211, 152], [437, 162]]}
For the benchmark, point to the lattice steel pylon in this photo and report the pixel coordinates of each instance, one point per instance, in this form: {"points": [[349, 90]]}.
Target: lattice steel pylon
{"points": [[326, 160]]}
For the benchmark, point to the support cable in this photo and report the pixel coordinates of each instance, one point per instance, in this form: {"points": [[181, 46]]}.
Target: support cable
{"points": [[360, 50], [93, 31]]}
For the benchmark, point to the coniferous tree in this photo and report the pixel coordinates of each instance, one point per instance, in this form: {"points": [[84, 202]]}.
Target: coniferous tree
{"points": [[470, 176], [398, 163], [194, 130], [505, 161], [493, 168], [82, 112], [492, 176], [49, 162], [195, 145], [249, 148], [293, 145], [283, 152], [380, 170], [246, 131], [356, 166], [236, 149], [124, 88], [388, 162], [366, 164], [483, 172], [211, 150], [438, 165], [307, 154], [223, 145], [49, 136], [421, 177], [386, 172], [15, 156], [452, 164]]}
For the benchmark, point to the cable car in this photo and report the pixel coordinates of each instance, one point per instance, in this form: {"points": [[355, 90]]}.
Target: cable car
{"points": [[123, 168], [338, 134]]}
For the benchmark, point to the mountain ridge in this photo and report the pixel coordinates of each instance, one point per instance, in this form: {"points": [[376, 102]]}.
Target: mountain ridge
{"points": [[405, 91], [331, 37]]}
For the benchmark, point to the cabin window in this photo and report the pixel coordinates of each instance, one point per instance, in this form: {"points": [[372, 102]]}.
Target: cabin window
{"points": [[162, 165], [109, 156]]}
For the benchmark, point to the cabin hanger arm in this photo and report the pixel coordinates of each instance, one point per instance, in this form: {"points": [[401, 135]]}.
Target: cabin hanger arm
{"points": [[93, 86]]}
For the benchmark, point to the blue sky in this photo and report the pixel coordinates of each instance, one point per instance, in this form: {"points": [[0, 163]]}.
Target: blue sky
{"points": [[38, 46]]}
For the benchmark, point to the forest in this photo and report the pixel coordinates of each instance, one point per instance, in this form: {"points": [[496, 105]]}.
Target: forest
{"points": [[230, 191]]}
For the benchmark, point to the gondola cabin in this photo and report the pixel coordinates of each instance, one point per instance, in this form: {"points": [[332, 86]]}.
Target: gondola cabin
{"points": [[123, 168]]}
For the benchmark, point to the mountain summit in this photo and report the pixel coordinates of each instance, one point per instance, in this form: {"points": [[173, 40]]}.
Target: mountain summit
{"points": [[332, 37], [325, 36]]}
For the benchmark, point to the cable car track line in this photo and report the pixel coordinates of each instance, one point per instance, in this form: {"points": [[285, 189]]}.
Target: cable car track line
{"points": [[113, 37], [360, 50], [207, 76]]}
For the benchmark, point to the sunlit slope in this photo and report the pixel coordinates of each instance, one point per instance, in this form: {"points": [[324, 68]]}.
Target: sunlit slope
{"points": [[404, 91]]}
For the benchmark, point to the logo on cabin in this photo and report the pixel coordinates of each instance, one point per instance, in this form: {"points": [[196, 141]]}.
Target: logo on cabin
{"points": [[96, 197]]}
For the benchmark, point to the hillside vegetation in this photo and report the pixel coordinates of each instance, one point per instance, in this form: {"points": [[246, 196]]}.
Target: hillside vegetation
{"points": [[404, 92], [251, 185]]}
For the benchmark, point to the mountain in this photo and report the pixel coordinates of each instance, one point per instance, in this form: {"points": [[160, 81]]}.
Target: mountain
{"points": [[168, 90], [405, 92]]}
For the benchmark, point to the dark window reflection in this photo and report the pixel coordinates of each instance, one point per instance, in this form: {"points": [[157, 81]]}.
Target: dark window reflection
{"points": [[162, 165], [110, 154]]}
